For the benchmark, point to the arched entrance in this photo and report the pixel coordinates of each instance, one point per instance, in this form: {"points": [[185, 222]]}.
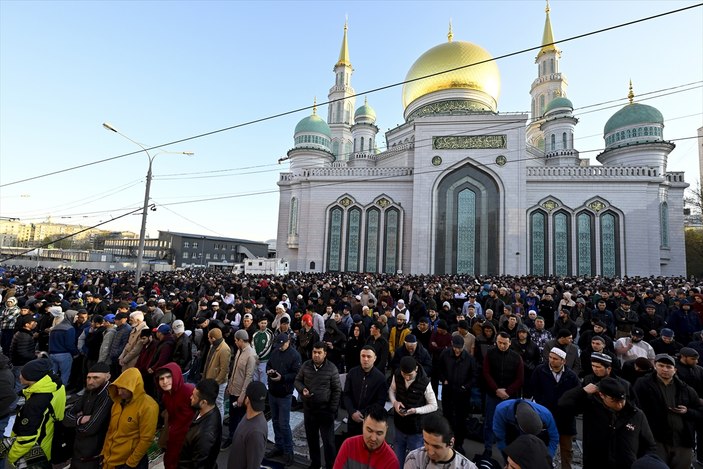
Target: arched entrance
{"points": [[466, 220]]}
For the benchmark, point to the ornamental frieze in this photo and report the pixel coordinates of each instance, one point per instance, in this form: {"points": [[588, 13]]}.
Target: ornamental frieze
{"points": [[469, 142]]}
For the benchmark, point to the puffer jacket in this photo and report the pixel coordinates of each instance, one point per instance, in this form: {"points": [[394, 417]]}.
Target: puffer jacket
{"points": [[7, 386], [35, 423], [23, 347], [132, 423], [324, 385]]}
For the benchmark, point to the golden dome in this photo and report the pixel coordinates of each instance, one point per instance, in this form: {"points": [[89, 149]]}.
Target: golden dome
{"points": [[484, 77]]}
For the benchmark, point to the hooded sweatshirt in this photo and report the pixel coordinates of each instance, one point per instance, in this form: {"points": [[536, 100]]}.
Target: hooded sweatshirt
{"points": [[180, 413], [132, 423]]}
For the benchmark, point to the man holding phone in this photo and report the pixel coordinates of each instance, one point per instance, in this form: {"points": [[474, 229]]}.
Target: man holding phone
{"points": [[281, 369]]}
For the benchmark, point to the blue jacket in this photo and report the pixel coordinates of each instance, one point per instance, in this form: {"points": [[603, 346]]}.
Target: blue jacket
{"points": [[506, 429], [62, 338]]}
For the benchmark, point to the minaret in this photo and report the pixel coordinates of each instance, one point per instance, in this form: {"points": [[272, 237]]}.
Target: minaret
{"points": [[550, 83], [341, 111]]}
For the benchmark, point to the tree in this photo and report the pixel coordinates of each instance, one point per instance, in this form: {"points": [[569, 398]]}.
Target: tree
{"points": [[694, 199], [694, 251]]}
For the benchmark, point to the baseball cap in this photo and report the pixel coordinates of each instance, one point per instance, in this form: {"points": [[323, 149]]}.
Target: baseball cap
{"points": [[636, 331], [256, 392], [178, 326], [282, 339]]}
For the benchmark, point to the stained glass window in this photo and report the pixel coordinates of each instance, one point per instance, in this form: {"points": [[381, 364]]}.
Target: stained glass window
{"points": [[585, 249], [373, 217], [539, 237], [293, 220], [608, 245], [562, 250], [664, 224], [466, 232], [334, 245], [353, 239], [391, 244]]}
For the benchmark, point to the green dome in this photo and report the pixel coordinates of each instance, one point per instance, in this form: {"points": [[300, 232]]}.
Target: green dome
{"points": [[558, 103], [365, 111], [631, 115], [314, 124]]}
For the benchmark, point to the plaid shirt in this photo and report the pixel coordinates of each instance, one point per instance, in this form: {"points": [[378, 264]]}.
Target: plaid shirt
{"points": [[9, 316]]}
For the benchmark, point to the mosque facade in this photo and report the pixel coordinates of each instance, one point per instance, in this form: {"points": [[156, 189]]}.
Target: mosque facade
{"points": [[464, 189]]}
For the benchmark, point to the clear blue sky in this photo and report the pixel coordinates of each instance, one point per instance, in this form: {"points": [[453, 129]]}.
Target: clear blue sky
{"points": [[164, 71]]}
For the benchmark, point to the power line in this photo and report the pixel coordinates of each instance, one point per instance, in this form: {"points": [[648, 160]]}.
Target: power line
{"points": [[68, 236], [373, 90]]}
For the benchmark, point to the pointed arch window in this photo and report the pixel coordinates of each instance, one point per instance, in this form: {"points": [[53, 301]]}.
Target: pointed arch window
{"points": [[664, 224], [541, 105], [391, 241], [361, 147], [553, 139], [563, 141], [609, 245], [585, 244], [353, 239], [334, 241], [562, 244], [538, 235], [293, 219], [466, 232], [373, 220]]}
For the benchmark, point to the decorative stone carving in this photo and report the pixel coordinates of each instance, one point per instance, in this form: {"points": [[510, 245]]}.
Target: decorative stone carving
{"points": [[596, 206], [549, 205], [346, 202], [469, 142], [446, 107], [383, 202]]}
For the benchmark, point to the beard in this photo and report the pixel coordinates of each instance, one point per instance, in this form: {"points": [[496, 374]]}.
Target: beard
{"points": [[196, 406]]}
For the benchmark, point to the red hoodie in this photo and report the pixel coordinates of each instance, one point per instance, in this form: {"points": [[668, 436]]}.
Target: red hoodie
{"points": [[180, 413]]}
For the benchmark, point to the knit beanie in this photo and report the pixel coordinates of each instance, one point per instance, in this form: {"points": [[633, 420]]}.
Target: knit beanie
{"points": [[36, 369]]}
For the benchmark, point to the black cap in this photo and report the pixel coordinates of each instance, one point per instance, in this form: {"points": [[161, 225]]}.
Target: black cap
{"points": [[529, 451], [256, 392], [100, 367], [611, 387], [636, 331], [36, 369], [689, 352], [665, 358]]}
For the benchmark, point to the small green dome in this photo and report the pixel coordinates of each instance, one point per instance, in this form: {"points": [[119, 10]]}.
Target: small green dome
{"points": [[558, 103], [365, 111], [633, 114], [314, 124]]}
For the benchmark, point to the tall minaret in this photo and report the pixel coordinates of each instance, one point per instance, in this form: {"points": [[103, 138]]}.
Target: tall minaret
{"points": [[341, 112], [550, 83]]}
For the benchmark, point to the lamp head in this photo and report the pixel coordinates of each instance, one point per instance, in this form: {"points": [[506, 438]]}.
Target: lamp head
{"points": [[108, 126]]}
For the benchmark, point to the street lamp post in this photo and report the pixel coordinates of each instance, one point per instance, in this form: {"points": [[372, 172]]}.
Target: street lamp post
{"points": [[145, 208]]}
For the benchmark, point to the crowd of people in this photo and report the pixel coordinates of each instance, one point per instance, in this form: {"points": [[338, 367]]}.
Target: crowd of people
{"points": [[95, 366]]}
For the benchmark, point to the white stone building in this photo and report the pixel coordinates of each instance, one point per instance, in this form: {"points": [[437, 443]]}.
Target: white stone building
{"points": [[464, 188]]}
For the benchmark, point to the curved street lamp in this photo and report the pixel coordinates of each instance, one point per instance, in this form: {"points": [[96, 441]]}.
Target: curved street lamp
{"points": [[145, 209]]}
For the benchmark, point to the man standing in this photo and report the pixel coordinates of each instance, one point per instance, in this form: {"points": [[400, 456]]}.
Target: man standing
{"points": [[45, 402], [217, 365], [615, 432], [370, 448], [397, 334], [438, 450], [318, 384], [503, 373], [128, 355], [672, 408], [633, 347], [602, 367], [182, 352], [364, 387], [412, 397], [202, 442], [458, 373], [549, 382], [132, 423], [263, 344], [245, 363], [119, 343], [251, 435], [380, 345], [90, 416], [282, 369]]}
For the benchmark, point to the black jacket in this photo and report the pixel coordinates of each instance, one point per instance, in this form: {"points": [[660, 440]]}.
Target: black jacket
{"points": [[610, 440], [324, 385], [22, 349], [287, 363], [7, 386], [202, 443], [421, 356], [653, 404], [90, 436], [460, 372], [691, 375], [380, 345], [362, 390], [183, 352]]}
